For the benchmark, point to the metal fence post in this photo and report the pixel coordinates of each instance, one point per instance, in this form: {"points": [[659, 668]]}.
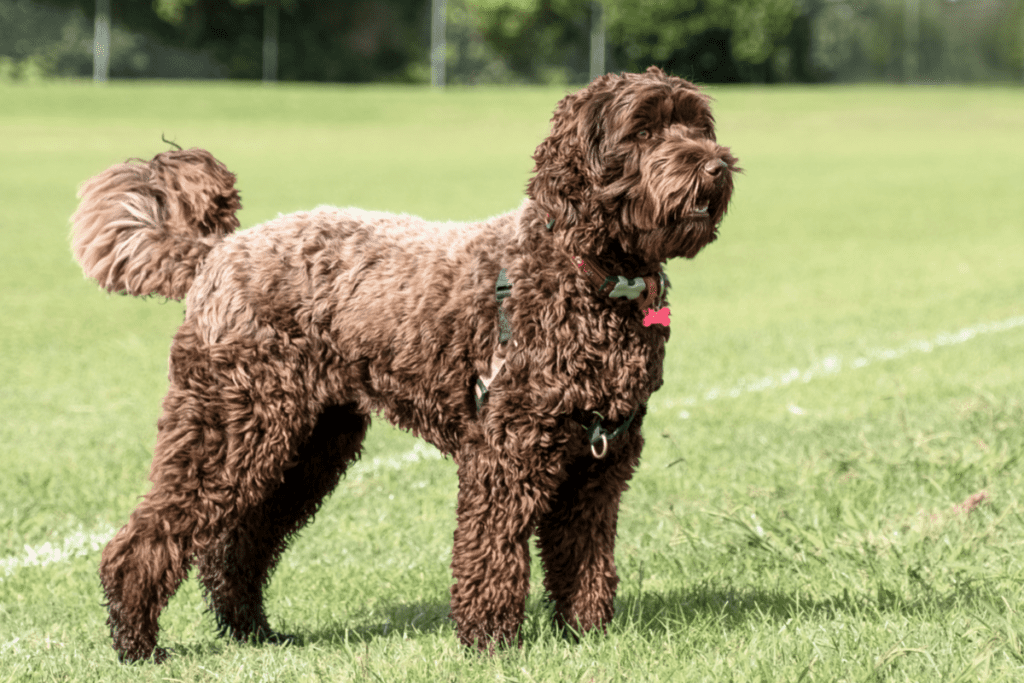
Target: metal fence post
{"points": [[101, 42], [596, 39], [438, 45]]}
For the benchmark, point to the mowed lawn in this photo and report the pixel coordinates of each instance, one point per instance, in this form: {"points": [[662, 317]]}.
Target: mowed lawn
{"points": [[833, 484]]}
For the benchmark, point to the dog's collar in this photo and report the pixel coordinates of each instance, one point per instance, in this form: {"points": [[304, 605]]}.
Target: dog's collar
{"points": [[647, 291]]}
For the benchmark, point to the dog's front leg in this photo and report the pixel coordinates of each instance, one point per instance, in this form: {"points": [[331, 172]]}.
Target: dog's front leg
{"points": [[577, 535], [490, 558]]}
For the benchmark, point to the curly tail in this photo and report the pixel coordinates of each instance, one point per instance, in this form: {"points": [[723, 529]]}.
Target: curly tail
{"points": [[143, 227]]}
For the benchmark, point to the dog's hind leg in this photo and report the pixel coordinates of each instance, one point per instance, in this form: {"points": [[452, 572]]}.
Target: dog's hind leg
{"points": [[236, 568], [146, 561], [223, 449], [141, 568]]}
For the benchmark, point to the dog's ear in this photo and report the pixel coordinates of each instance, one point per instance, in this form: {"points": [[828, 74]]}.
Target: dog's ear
{"points": [[568, 162]]}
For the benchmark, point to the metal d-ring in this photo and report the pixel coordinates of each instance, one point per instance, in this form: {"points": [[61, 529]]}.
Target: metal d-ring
{"points": [[604, 448]]}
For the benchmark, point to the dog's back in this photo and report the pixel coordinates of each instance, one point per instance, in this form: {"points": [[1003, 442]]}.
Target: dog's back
{"points": [[360, 280]]}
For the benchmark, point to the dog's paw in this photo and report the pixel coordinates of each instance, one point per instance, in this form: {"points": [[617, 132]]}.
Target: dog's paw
{"points": [[276, 638], [158, 656], [268, 635]]}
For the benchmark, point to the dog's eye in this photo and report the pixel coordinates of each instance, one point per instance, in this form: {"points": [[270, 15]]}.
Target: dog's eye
{"points": [[644, 134]]}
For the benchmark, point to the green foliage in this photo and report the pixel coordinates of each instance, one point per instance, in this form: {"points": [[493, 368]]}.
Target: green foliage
{"points": [[40, 41], [828, 530], [955, 41], [318, 41], [759, 27], [532, 34], [172, 11], [524, 41], [543, 41], [656, 31]]}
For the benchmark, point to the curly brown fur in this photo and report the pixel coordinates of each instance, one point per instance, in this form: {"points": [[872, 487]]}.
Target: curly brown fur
{"points": [[143, 228], [299, 329]]}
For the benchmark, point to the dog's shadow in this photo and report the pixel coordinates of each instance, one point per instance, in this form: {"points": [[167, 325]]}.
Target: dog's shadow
{"points": [[650, 613], [400, 620], [655, 611]]}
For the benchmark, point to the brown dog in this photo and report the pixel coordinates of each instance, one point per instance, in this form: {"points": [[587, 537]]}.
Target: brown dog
{"points": [[516, 344]]}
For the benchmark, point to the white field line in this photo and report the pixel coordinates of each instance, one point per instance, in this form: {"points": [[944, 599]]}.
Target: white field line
{"points": [[78, 544], [834, 364], [83, 542]]}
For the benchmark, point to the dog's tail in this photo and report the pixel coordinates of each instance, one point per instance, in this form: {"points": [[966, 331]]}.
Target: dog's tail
{"points": [[143, 227]]}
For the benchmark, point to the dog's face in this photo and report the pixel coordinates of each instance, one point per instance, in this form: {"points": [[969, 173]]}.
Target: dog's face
{"points": [[632, 162]]}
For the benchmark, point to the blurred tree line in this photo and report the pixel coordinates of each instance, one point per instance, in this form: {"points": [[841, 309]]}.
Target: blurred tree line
{"points": [[526, 41]]}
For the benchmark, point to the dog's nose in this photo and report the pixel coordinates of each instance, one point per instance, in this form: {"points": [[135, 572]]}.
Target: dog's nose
{"points": [[714, 167]]}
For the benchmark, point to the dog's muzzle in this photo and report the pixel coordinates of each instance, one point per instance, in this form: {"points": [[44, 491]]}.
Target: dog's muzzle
{"points": [[715, 172]]}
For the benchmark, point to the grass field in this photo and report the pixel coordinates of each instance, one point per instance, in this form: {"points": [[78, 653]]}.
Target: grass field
{"points": [[843, 382]]}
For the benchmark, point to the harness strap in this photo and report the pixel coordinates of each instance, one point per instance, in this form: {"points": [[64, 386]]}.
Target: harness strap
{"points": [[502, 291], [483, 383], [596, 432]]}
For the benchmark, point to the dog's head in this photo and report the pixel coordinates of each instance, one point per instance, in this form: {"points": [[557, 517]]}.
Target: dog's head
{"points": [[632, 168]]}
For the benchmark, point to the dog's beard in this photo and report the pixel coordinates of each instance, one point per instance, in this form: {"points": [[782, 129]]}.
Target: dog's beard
{"points": [[678, 205], [682, 235]]}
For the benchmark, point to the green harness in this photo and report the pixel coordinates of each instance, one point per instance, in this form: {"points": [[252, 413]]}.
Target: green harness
{"points": [[596, 432]]}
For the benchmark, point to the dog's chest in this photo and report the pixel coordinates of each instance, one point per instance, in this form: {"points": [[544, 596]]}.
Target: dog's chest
{"points": [[591, 357]]}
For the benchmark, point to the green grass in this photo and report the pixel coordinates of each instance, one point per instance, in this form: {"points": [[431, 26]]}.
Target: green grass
{"points": [[806, 532]]}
